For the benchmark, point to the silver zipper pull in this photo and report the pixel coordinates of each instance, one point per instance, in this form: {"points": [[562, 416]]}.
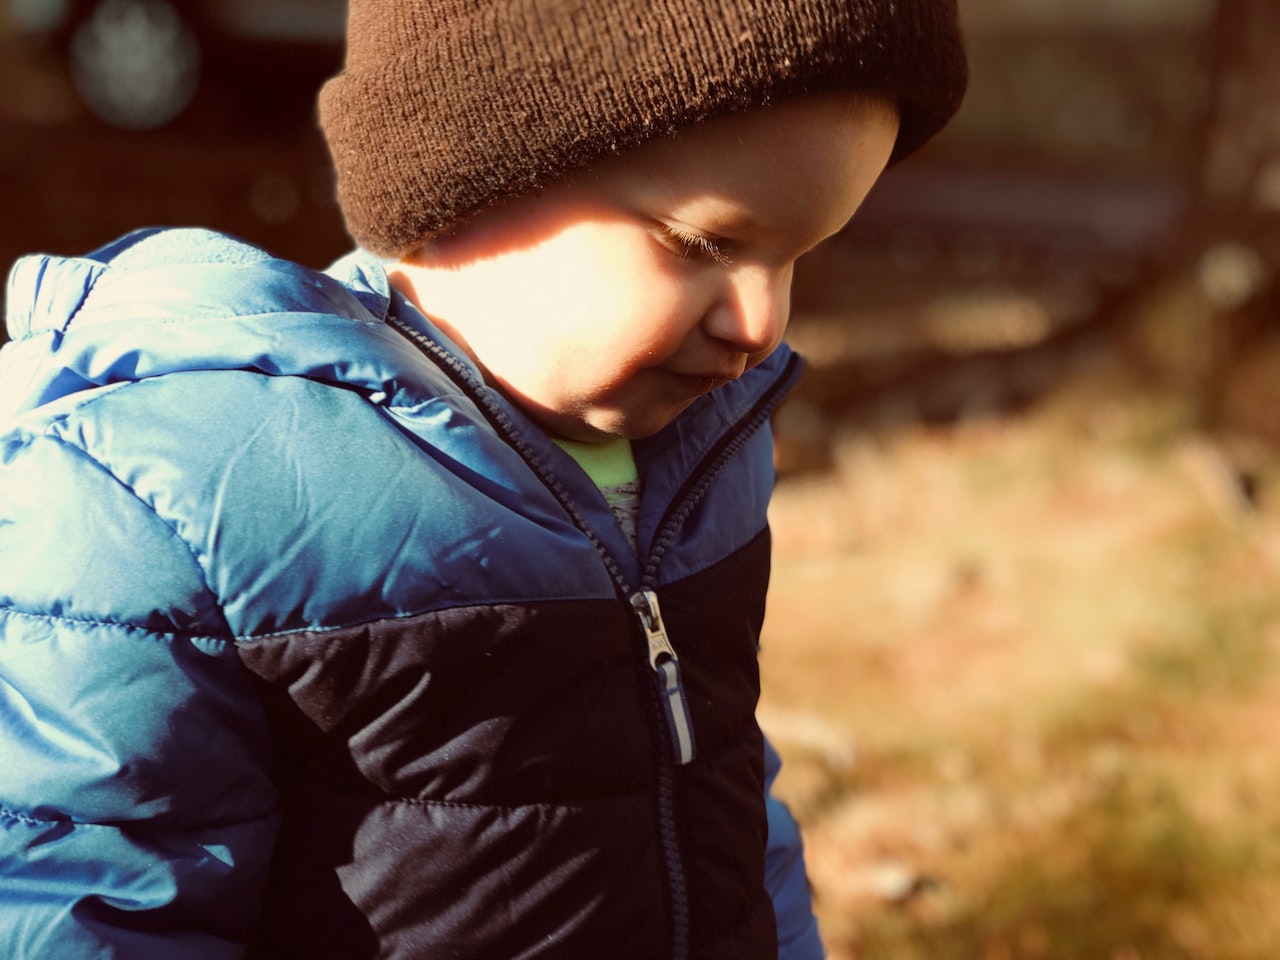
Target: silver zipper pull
{"points": [[666, 668]]}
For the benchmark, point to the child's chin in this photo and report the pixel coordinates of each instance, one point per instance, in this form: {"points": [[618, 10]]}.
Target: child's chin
{"points": [[600, 425], [630, 428], [640, 427]]}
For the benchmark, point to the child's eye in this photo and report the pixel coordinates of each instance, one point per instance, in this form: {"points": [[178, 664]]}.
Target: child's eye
{"points": [[685, 244]]}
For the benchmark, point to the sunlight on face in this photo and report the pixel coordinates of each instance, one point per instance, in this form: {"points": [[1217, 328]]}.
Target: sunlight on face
{"points": [[607, 304]]}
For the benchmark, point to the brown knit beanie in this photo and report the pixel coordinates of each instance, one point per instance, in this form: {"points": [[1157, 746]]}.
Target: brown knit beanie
{"points": [[450, 106]]}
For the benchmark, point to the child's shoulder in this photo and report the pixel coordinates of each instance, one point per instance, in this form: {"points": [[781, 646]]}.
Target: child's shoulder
{"points": [[244, 435], [158, 276], [164, 302], [201, 393]]}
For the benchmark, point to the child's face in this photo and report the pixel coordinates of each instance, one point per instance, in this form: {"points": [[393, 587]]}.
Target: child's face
{"points": [[606, 305]]}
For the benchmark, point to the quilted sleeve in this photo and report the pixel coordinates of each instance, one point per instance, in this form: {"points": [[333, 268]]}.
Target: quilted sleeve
{"points": [[785, 876], [137, 813]]}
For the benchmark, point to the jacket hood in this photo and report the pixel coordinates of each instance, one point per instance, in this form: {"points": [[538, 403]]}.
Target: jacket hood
{"points": [[163, 301]]}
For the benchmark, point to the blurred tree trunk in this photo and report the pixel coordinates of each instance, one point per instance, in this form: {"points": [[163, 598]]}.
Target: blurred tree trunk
{"points": [[1238, 175], [1211, 302]]}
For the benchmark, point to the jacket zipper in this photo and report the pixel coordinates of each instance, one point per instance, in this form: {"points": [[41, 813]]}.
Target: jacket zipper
{"points": [[664, 662], [666, 668]]}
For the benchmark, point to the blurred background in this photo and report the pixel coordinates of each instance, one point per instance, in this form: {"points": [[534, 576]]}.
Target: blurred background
{"points": [[1023, 647], [117, 114]]}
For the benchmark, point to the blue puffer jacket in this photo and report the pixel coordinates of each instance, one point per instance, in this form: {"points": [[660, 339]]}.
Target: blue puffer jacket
{"points": [[312, 645]]}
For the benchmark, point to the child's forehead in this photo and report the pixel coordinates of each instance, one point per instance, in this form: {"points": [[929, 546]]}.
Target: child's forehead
{"points": [[784, 173], [753, 153]]}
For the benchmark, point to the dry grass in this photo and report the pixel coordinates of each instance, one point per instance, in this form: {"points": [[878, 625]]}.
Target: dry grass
{"points": [[1026, 677]]}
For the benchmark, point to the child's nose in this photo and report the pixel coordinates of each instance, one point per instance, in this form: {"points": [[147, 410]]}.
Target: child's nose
{"points": [[753, 313]]}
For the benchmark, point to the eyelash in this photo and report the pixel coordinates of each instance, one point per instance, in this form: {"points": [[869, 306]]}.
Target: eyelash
{"points": [[686, 244]]}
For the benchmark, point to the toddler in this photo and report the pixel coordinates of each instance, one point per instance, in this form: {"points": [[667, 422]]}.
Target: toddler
{"points": [[410, 609]]}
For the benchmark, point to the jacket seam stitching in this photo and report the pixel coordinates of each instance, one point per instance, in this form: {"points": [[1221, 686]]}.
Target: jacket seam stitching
{"points": [[251, 638], [204, 576], [581, 804], [502, 807], [11, 813], [8, 611], [88, 292], [29, 820]]}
